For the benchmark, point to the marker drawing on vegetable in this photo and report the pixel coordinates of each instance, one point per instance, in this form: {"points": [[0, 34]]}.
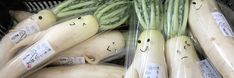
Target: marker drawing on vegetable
{"points": [[97, 48], [149, 60]]}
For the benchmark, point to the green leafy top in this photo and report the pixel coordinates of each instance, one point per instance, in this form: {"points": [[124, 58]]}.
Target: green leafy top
{"points": [[148, 13], [176, 17], [112, 14], [109, 13]]}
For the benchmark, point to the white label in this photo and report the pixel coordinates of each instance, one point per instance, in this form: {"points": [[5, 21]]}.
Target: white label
{"points": [[223, 24], [17, 36], [207, 70], [153, 71], [37, 54], [71, 60]]}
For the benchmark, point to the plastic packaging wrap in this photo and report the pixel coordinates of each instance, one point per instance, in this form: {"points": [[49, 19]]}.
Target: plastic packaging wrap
{"points": [[149, 57], [214, 34], [93, 50]]}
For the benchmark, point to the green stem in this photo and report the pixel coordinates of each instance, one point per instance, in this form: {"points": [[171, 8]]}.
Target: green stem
{"points": [[109, 7], [114, 13], [175, 19], [153, 20], [73, 12], [169, 18], [158, 21], [145, 12], [176, 24], [61, 6], [140, 18], [185, 19], [80, 5], [110, 20], [100, 8], [112, 26]]}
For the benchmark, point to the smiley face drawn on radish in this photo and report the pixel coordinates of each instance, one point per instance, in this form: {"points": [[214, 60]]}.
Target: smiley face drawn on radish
{"points": [[144, 49], [183, 50], [111, 47], [74, 23]]}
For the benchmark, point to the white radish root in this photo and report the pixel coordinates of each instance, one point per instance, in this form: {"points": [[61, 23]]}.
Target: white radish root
{"points": [[27, 27], [149, 57], [182, 59], [217, 46], [94, 49], [57, 39], [80, 71]]}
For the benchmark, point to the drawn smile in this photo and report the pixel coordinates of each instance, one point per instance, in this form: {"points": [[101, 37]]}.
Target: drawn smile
{"points": [[145, 49], [184, 57], [108, 49]]}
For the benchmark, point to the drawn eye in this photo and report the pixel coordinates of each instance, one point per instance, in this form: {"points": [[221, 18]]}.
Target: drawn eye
{"points": [[139, 41], [73, 23], [113, 42], [40, 17], [84, 24], [148, 40], [79, 17]]}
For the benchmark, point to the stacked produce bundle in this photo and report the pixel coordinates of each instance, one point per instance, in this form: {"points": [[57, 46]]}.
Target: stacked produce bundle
{"points": [[42, 21], [214, 34], [182, 59], [39, 49], [149, 60]]}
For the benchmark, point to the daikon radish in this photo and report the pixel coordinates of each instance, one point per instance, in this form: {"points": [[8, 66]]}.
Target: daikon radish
{"points": [[149, 60], [93, 50], [182, 59], [80, 71], [20, 15], [214, 34], [57, 38]]}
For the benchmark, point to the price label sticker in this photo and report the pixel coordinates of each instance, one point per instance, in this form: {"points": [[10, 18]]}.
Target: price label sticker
{"points": [[71, 60], [207, 70], [153, 71], [21, 34], [37, 54], [223, 24]]}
